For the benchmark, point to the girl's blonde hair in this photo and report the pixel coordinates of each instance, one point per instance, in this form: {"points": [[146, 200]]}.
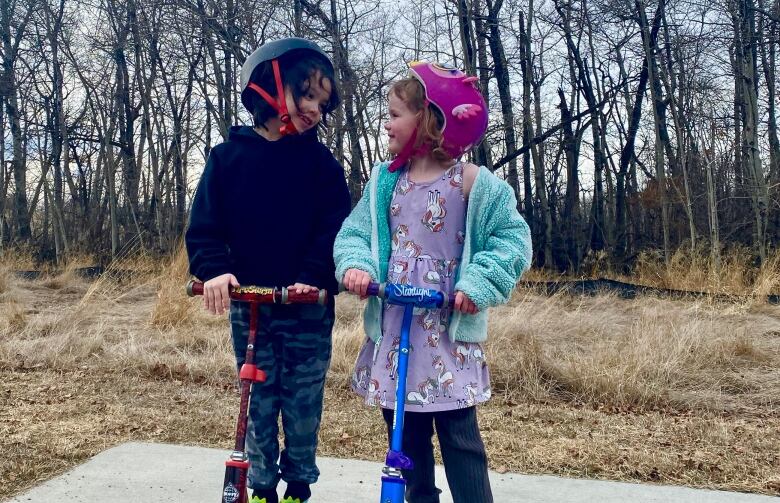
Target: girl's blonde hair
{"points": [[431, 122]]}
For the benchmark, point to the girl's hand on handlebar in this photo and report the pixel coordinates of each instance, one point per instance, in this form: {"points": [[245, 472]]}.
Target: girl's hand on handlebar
{"points": [[216, 293], [464, 304], [302, 288], [356, 281]]}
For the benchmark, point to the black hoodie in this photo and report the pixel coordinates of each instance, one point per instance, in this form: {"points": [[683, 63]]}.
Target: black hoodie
{"points": [[268, 211]]}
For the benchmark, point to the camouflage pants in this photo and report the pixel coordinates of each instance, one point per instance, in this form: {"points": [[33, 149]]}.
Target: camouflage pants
{"points": [[293, 347]]}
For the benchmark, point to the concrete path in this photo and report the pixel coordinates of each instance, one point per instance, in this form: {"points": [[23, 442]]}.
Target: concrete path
{"points": [[159, 473]]}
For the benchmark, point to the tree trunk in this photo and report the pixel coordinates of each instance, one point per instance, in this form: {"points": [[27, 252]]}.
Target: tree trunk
{"points": [[482, 153], [669, 81], [768, 63], [657, 98], [748, 77], [571, 208], [8, 88], [628, 153], [543, 226], [3, 177], [348, 81], [712, 201], [598, 224], [504, 91]]}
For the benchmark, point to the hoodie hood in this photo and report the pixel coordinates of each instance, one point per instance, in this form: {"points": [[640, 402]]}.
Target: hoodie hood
{"points": [[247, 133]]}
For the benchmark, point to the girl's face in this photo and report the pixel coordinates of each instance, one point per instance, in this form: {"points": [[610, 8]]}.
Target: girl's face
{"points": [[307, 113], [400, 125]]}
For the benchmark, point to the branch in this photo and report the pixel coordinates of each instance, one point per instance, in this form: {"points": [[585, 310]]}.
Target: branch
{"points": [[542, 137], [766, 13]]}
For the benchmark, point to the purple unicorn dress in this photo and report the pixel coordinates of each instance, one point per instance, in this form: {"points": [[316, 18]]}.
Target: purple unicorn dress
{"points": [[428, 225]]}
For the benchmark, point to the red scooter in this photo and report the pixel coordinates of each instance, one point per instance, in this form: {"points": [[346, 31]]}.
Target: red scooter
{"points": [[237, 466]]}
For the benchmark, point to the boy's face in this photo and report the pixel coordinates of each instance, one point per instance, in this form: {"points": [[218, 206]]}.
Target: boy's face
{"points": [[400, 125], [307, 113]]}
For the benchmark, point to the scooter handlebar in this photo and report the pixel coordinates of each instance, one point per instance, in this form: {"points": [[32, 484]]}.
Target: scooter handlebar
{"points": [[265, 295], [400, 294]]}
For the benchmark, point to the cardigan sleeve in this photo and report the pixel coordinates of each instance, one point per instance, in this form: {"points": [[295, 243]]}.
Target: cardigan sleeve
{"points": [[352, 249], [492, 273]]}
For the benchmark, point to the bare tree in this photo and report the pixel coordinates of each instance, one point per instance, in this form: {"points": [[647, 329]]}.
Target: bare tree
{"points": [[14, 17]]}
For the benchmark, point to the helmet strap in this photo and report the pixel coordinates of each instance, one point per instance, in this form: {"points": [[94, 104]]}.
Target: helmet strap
{"points": [[408, 152], [280, 103]]}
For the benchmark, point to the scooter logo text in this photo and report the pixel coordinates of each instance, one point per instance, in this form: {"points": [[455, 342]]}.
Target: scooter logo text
{"points": [[411, 291], [230, 494]]}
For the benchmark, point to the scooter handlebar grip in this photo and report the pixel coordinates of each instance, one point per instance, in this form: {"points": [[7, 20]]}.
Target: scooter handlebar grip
{"points": [[290, 296], [194, 288]]}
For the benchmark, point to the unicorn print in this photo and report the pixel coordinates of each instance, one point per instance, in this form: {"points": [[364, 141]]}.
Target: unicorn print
{"points": [[392, 358], [360, 377], [412, 249], [456, 177], [429, 320], [451, 171], [395, 209], [404, 186], [424, 394], [479, 356], [432, 277], [400, 271], [444, 378], [451, 265], [435, 212], [373, 392], [462, 354], [433, 340], [400, 232], [446, 268], [471, 393]]}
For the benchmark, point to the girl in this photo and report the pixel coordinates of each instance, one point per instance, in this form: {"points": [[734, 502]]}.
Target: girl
{"points": [[429, 220], [266, 212]]}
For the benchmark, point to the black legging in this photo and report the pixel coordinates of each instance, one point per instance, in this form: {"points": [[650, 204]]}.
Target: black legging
{"points": [[465, 460]]}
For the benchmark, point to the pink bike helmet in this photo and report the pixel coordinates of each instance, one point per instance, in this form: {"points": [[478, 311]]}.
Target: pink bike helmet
{"points": [[455, 94]]}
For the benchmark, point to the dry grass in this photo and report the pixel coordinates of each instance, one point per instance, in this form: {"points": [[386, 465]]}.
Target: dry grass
{"points": [[737, 276], [688, 270], [173, 309], [644, 354], [14, 317], [7, 283], [640, 390], [125, 276], [66, 279], [17, 259]]}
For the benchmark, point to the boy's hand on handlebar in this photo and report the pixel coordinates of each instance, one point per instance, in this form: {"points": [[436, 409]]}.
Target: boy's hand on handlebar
{"points": [[216, 293], [464, 304], [302, 288], [356, 281]]}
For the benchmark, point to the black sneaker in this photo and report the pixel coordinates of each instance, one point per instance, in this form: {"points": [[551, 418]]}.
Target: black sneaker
{"points": [[264, 496], [297, 492]]}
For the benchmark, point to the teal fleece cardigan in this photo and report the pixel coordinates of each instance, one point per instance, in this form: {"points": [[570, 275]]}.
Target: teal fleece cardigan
{"points": [[496, 251]]}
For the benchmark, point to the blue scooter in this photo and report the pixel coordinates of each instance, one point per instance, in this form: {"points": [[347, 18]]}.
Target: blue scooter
{"points": [[408, 296]]}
